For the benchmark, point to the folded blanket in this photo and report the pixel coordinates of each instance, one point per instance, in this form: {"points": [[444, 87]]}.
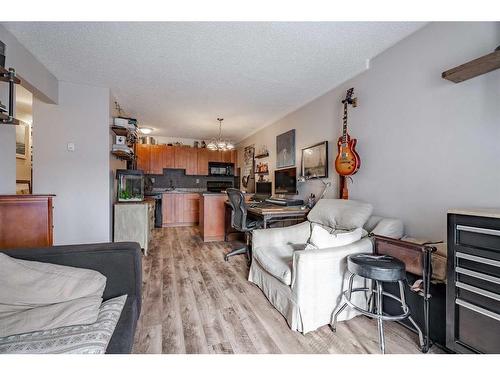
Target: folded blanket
{"points": [[36, 296]]}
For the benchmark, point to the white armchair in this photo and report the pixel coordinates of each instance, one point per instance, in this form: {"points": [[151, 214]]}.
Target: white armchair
{"points": [[306, 285]]}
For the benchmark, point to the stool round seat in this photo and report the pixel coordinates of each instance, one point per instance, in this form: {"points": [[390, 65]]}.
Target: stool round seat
{"points": [[377, 267]]}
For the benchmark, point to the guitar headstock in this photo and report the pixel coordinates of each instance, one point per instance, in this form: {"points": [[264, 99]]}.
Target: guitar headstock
{"points": [[348, 97]]}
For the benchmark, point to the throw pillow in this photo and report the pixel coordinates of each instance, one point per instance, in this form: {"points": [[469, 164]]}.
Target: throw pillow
{"points": [[36, 295], [78, 339], [322, 239], [340, 213]]}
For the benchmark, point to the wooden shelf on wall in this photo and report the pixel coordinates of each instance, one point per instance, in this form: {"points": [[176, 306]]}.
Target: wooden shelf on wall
{"points": [[260, 156], [122, 155], [4, 119], [4, 76], [473, 68]]}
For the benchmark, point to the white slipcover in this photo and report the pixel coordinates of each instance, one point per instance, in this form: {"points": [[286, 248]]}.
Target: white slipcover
{"points": [[309, 296]]}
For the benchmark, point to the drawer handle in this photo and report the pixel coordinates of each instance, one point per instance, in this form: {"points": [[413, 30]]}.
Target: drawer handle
{"points": [[475, 258], [477, 309], [466, 228], [482, 292], [478, 275]]}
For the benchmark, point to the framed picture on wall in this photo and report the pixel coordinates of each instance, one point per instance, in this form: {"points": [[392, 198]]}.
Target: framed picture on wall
{"points": [[22, 140], [285, 149], [315, 161]]}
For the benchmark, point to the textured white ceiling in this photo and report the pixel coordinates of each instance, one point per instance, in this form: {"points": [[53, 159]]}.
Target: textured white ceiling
{"points": [[178, 77]]}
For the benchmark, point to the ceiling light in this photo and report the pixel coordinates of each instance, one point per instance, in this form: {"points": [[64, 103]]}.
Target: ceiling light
{"points": [[146, 130], [219, 143]]}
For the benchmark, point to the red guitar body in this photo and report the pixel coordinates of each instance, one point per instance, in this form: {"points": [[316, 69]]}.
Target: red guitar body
{"points": [[347, 162]]}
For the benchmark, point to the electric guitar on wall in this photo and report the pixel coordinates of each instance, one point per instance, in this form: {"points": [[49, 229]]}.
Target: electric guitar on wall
{"points": [[347, 162]]}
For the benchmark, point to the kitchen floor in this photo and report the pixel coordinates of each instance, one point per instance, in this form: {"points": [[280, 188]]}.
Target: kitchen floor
{"points": [[194, 302]]}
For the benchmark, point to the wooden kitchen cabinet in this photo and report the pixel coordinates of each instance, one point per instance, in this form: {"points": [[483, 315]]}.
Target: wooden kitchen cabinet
{"points": [[186, 158], [192, 162], [181, 157], [180, 209], [168, 209], [156, 159], [202, 161], [168, 157], [225, 156], [191, 208], [142, 153], [214, 156], [152, 159]]}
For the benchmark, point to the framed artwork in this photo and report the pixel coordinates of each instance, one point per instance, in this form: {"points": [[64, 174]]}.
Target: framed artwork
{"points": [[315, 161], [285, 149], [22, 141]]}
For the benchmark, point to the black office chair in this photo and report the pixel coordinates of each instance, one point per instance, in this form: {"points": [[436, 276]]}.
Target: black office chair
{"points": [[240, 222]]}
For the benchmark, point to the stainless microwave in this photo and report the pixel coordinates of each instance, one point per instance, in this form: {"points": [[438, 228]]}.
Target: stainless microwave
{"points": [[220, 169]]}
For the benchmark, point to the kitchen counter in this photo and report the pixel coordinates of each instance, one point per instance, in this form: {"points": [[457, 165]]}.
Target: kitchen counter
{"points": [[176, 191], [482, 212], [222, 193]]}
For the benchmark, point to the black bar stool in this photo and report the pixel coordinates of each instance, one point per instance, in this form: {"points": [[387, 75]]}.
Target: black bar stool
{"points": [[379, 269]]}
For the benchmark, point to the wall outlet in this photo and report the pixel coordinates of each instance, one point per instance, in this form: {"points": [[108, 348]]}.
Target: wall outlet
{"points": [[153, 180], [197, 180], [71, 147]]}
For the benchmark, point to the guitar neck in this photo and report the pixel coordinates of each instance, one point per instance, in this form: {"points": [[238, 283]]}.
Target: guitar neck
{"points": [[344, 126]]}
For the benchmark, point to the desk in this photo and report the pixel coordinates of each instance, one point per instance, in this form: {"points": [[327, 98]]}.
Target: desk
{"points": [[269, 215]]}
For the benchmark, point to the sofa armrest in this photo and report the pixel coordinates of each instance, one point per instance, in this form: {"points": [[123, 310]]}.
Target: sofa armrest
{"points": [[318, 278], [295, 234], [120, 262]]}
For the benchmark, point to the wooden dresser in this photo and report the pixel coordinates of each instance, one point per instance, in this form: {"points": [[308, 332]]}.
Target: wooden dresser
{"points": [[26, 221], [473, 290]]}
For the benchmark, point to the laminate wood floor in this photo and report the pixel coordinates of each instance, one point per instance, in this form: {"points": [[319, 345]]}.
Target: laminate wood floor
{"points": [[194, 302]]}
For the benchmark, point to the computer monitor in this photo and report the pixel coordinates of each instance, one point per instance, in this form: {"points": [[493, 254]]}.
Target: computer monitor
{"points": [[285, 181], [263, 189]]}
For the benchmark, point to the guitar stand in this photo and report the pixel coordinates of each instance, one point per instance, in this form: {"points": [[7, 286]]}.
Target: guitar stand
{"points": [[343, 191]]}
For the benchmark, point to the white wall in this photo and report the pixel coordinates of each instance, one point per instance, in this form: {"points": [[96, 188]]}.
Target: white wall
{"points": [[38, 80], [426, 144], [80, 179]]}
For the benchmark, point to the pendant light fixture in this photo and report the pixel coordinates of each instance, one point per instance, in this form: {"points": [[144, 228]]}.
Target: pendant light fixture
{"points": [[219, 143]]}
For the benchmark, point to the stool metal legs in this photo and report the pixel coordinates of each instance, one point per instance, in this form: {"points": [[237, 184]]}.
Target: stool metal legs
{"points": [[380, 313], [406, 308], [376, 298]]}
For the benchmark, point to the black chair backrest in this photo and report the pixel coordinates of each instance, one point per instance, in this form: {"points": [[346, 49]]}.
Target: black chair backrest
{"points": [[239, 213]]}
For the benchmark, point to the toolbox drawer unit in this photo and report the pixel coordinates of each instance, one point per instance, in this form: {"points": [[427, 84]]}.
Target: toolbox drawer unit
{"points": [[473, 290]]}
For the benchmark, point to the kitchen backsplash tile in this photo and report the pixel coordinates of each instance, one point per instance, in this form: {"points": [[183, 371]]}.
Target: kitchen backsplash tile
{"points": [[178, 178]]}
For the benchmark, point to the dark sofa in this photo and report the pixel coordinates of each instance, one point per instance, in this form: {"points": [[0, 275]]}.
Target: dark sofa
{"points": [[120, 262]]}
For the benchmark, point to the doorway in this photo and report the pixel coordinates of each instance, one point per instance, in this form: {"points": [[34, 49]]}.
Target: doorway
{"points": [[24, 156]]}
